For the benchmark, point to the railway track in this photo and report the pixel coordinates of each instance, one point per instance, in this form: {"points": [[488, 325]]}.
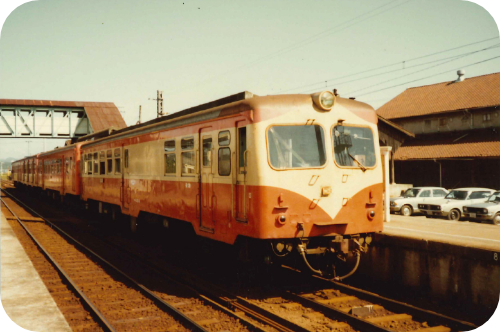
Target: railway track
{"points": [[115, 300], [325, 305]]}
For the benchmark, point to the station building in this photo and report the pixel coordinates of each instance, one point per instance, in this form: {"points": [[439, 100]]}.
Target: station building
{"points": [[457, 133]]}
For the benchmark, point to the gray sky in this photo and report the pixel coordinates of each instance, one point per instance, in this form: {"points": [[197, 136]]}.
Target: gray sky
{"points": [[197, 51]]}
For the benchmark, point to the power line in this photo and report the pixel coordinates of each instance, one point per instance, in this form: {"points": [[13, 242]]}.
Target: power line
{"points": [[391, 65], [423, 78], [419, 71], [305, 41]]}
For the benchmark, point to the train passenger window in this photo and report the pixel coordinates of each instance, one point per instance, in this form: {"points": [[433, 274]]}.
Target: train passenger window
{"points": [[188, 158], [109, 156], [118, 161], [89, 163], [353, 146], [224, 161], [169, 157], [102, 162], [187, 143], [67, 165], [224, 138], [207, 151], [170, 163], [169, 146], [300, 146], [242, 144], [96, 163], [71, 163]]}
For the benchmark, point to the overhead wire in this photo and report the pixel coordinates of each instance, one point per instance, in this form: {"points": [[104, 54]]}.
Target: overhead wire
{"points": [[421, 70], [441, 61], [389, 65], [304, 42], [423, 78]]}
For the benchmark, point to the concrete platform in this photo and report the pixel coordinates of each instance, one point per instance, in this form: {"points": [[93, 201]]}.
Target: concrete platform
{"points": [[451, 263], [460, 233], [24, 296]]}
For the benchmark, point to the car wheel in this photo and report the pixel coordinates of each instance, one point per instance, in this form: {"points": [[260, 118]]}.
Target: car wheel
{"points": [[454, 215], [496, 219], [428, 217], [406, 210]]}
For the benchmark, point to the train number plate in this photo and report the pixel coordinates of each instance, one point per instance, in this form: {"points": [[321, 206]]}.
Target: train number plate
{"points": [[472, 215]]}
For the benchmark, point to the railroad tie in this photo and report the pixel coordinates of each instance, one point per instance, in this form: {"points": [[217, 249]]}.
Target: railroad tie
{"points": [[337, 300], [389, 318], [313, 315], [209, 321], [439, 328], [338, 325], [291, 306]]}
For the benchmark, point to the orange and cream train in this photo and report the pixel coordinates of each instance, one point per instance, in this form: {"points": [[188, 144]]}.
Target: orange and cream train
{"points": [[294, 174]]}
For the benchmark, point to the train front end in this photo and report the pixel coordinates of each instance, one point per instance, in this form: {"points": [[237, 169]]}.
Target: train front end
{"points": [[319, 191]]}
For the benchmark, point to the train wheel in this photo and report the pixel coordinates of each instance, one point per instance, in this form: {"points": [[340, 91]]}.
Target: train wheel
{"points": [[133, 224]]}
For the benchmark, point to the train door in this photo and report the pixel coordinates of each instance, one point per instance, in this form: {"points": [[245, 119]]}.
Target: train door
{"points": [[66, 174], [241, 171], [206, 179]]}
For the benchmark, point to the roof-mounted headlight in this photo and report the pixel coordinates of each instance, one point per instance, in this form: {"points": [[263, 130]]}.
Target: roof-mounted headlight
{"points": [[324, 100]]}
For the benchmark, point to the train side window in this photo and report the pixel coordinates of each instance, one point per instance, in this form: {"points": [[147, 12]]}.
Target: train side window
{"points": [[224, 138], [224, 161], [70, 163], [169, 157], [188, 158], [89, 163], [207, 151], [118, 167], [96, 163], [242, 145], [67, 165], [102, 163], [109, 156]]}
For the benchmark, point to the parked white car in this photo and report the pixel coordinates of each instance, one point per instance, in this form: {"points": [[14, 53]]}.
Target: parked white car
{"points": [[451, 206], [408, 202], [488, 211]]}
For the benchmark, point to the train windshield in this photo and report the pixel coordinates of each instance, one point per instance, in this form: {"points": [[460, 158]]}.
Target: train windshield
{"points": [[296, 146], [353, 146]]}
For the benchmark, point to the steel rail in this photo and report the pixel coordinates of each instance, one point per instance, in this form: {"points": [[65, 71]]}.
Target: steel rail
{"points": [[224, 304], [87, 301], [189, 323], [389, 304], [394, 305]]}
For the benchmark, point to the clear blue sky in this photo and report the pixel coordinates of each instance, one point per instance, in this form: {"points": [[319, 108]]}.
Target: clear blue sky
{"points": [[122, 51]]}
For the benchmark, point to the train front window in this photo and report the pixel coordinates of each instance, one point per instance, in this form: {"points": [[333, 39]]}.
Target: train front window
{"points": [[353, 146], [296, 146]]}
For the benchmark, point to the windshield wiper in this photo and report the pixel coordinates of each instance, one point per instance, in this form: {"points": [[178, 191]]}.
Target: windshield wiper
{"points": [[363, 168]]}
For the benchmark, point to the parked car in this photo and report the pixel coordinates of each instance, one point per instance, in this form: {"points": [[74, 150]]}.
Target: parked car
{"points": [[488, 211], [451, 206], [408, 202]]}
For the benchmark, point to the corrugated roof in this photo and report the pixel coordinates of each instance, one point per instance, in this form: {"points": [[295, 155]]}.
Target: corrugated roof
{"points": [[459, 145], [475, 92], [102, 115]]}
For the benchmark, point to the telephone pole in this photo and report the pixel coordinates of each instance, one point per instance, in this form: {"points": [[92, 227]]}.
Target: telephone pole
{"points": [[138, 122], [159, 104]]}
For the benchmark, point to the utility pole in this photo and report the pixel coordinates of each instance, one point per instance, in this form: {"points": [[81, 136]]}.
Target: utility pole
{"points": [[159, 104], [138, 122]]}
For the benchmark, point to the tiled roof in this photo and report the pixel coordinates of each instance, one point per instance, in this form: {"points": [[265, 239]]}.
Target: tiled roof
{"points": [[474, 92], [459, 145], [102, 115]]}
